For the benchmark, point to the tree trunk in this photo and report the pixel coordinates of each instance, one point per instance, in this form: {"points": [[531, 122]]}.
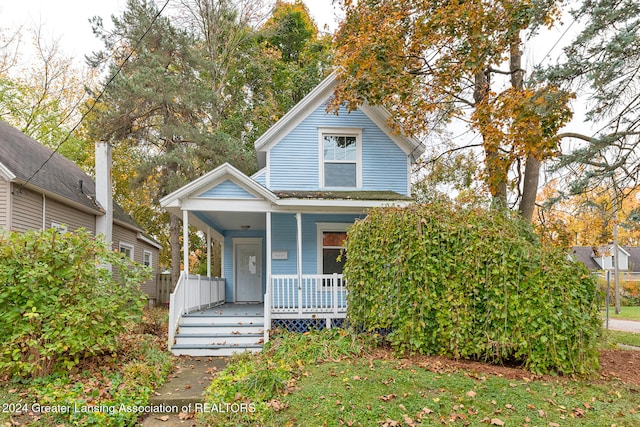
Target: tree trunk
{"points": [[174, 229], [532, 166], [530, 187]]}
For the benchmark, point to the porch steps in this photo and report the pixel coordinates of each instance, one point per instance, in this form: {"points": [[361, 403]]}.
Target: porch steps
{"points": [[213, 333]]}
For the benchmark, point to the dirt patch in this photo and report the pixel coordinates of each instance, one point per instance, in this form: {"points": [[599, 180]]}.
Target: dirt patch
{"points": [[622, 365]]}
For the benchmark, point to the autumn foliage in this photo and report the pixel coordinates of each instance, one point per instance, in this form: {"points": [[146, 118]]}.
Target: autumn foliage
{"points": [[473, 284]]}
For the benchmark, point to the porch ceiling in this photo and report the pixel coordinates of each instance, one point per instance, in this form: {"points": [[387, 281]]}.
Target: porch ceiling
{"points": [[234, 220]]}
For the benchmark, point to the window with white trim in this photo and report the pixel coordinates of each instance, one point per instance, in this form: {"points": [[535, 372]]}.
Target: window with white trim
{"points": [[331, 244], [340, 158], [126, 250], [59, 227], [147, 258]]}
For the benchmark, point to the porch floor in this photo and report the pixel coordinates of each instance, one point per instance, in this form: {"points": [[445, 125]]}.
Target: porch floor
{"points": [[230, 310]]}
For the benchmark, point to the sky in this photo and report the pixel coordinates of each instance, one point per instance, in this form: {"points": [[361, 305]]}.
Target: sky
{"points": [[68, 20]]}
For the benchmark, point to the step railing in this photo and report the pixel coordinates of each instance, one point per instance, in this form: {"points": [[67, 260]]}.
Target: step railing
{"points": [[193, 293]]}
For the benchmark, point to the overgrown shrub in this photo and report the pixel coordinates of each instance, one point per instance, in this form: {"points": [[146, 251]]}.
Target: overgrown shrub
{"points": [[59, 304], [471, 283]]}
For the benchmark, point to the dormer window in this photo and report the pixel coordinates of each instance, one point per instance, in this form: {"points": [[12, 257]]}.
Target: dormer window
{"points": [[340, 158]]}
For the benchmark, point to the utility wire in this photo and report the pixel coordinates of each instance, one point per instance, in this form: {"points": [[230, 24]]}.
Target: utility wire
{"points": [[95, 102]]}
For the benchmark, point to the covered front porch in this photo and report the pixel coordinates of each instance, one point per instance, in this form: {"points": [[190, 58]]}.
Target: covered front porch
{"points": [[279, 251]]}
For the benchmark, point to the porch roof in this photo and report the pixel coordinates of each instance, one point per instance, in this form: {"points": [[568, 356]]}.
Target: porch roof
{"points": [[342, 195]]}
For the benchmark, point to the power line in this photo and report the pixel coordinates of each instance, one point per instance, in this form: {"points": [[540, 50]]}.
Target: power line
{"points": [[95, 102]]}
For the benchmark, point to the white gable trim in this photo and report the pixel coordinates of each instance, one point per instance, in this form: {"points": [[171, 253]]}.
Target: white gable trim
{"points": [[380, 116], [216, 176], [297, 114], [315, 98], [6, 173]]}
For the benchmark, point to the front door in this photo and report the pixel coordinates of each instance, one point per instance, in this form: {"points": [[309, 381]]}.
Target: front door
{"points": [[248, 272]]}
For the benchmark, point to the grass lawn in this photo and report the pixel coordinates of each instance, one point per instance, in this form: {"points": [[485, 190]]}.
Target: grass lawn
{"points": [[626, 313], [394, 393], [627, 338]]}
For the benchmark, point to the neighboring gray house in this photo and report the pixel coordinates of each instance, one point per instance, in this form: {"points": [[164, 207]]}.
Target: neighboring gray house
{"points": [[60, 194], [602, 257]]}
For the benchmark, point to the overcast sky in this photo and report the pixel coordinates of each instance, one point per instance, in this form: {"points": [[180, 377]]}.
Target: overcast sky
{"points": [[68, 20]]}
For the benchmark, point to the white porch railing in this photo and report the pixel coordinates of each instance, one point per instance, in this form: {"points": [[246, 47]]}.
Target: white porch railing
{"points": [[196, 293], [318, 294]]}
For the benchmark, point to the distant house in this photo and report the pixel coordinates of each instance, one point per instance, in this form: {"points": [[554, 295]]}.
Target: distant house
{"points": [[283, 228], [602, 257], [60, 194]]}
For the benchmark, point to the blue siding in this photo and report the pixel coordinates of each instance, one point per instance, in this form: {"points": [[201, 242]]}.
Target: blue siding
{"points": [[294, 160], [260, 177], [283, 237], [228, 259], [227, 190]]}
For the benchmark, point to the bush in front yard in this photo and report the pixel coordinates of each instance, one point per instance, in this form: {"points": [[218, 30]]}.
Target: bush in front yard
{"points": [[471, 283], [59, 304]]}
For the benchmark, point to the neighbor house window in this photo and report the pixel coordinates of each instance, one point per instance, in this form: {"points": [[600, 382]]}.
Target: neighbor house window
{"points": [[340, 155], [59, 227], [146, 258], [126, 249]]}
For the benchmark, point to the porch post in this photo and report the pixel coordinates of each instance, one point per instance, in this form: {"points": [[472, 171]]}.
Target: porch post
{"points": [[299, 248], [185, 242], [267, 297], [209, 252]]}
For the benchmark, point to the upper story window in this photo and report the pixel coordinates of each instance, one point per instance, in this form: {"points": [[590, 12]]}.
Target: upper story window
{"points": [[340, 158]]}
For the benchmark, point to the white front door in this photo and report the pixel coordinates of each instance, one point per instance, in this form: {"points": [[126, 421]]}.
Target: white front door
{"points": [[248, 271]]}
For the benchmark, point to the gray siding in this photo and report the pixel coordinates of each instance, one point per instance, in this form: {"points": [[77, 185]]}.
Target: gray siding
{"points": [[294, 160], [26, 210], [71, 217], [124, 235], [5, 187]]}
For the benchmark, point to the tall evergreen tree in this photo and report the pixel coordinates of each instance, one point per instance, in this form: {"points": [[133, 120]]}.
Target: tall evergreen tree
{"points": [[159, 106], [605, 57]]}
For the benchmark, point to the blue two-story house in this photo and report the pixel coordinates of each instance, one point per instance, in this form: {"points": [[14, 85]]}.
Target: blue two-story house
{"points": [[282, 229]]}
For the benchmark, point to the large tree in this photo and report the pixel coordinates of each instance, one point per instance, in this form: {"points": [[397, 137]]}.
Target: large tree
{"points": [[431, 62], [161, 105], [604, 61], [193, 90], [42, 97]]}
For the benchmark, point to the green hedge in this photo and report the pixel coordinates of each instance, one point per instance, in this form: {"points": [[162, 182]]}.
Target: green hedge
{"points": [[59, 305], [471, 283]]}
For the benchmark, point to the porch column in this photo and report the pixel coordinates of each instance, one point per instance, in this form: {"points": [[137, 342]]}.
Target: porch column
{"points": [[267, 297], [268, 243], [185, 242], [299, 247], [209, 252]]}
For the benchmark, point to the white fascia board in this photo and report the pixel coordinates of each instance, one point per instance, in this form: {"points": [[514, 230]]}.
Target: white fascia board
{"points": [[380, 116], [6, 173], [219, 174], [298, 113], [226, 205], [147, 240], [324, 203]]}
